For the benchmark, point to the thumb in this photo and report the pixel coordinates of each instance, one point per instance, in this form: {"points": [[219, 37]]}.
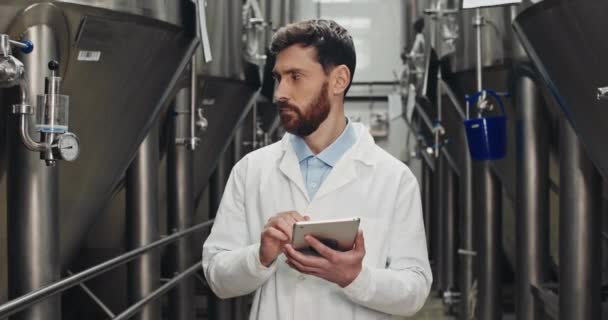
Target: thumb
{"points": [[360, 242]]}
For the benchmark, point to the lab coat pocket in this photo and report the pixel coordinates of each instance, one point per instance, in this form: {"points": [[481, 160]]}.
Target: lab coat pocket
{"points": [[375, 235]]}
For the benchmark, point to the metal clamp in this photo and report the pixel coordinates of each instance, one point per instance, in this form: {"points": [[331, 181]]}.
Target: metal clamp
{"points": [[451, 298], [602, 94], [191, 142], [438, 128], [23, 108], [478, 21], [466, 252]]}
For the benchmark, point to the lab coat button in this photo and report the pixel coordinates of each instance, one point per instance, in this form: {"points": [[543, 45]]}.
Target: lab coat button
{"points": [[301, 277]]}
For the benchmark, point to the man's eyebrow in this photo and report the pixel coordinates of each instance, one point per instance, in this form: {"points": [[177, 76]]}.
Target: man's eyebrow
{"points": [[290, 70]]}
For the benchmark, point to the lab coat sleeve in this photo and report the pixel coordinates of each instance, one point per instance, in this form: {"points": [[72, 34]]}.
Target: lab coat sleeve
{"points": [[401, 288], [231, 263]]}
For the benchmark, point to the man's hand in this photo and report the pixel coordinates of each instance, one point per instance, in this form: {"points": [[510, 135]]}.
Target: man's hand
{"points": [[277, 233], [341, 268]]}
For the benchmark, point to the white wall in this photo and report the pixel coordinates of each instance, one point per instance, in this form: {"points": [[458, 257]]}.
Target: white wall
{"points": [[376, 28]]}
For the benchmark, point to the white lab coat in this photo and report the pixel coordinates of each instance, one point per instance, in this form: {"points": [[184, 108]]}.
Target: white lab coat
{"points": [[366, 182]]}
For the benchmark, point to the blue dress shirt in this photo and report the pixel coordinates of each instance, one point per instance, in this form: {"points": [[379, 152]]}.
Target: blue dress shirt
{"points": [[315, 168]]}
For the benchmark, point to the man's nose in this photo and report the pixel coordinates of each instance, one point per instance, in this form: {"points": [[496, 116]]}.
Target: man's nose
{"points": [[281, 92]]}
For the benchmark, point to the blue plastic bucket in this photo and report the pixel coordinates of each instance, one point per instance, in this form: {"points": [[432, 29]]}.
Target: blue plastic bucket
{"points": [[487, 136]]}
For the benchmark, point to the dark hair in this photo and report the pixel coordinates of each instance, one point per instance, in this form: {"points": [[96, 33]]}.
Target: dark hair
{"points": [[333, 43]]}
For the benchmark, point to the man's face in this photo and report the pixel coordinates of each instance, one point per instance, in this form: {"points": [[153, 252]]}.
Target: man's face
{"points": [[302, 90]]}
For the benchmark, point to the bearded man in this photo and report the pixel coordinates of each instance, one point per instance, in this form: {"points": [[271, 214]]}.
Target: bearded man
{"points": [[325, 167]]}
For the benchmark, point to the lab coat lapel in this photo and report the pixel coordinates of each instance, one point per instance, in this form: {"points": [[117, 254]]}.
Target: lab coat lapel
{"points": [[346, 170], [343, 173], [290, 167]]}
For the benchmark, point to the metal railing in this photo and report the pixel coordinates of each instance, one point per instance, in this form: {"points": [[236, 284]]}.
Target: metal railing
{"points": [[29, 299]]}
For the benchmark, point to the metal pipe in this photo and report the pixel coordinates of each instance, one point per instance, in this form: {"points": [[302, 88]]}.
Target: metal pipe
{"points": [[437, 233], [436, 129], [449, 205], [23, 91], [478, 23], [18, 44], [580, 249], [427, 121], [532, 213], [193, 104], [466, 249], [96, 299], [5, 45], [220, 309], [427, 198], [455, 101], [33, 229], [488, 196], [26, 138], [127, 314], [46, 292], [142, 216], [180, 185]]}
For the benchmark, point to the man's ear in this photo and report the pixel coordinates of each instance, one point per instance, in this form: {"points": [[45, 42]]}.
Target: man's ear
{"points": [[340, 79]]}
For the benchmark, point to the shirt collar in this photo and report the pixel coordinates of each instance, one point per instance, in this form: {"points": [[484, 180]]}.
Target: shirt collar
{"points": [[333, 152]]}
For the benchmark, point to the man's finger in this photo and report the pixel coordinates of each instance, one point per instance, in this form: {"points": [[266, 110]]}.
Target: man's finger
{"points": [[303, 269], [322, 249], [360, 242], [276, 234], [296, 216], [284, 226], [305, 260]]}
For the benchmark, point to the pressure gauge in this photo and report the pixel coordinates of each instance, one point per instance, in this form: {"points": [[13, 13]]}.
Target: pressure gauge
{"points": [[68, 147]]}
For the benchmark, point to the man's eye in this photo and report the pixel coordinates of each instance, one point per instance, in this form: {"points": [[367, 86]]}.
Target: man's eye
{"points": [[295, 76]]}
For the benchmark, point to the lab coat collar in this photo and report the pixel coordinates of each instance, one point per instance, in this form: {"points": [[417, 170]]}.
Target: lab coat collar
{"points": [[345, 170]]}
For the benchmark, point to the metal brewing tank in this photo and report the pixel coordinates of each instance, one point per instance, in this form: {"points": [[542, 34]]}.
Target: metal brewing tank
{"points": [[570, 60], [142, 46]]}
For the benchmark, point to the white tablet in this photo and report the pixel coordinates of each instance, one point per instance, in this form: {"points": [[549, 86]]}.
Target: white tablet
{"points": [[337, 234]]}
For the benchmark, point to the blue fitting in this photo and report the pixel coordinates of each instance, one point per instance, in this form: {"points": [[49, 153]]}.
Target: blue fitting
{"points": [[29, 46]]}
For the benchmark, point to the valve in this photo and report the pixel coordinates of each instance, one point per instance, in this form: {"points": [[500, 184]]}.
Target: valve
{"points": [[52, 111]]}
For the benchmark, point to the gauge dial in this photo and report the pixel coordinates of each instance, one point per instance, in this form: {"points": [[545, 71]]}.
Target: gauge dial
{"points": [[68, 146]]}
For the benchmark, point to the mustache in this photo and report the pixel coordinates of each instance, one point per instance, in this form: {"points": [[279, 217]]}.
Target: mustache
{"points": [[287, 105]]}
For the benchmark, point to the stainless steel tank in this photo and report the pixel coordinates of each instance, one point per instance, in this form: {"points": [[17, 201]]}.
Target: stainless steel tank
{"points": [[571, 61], [225, 97], [497, 39], [142, 48]]}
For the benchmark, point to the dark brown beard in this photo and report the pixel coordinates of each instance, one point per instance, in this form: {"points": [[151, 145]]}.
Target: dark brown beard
{"points": [[304, 124]]}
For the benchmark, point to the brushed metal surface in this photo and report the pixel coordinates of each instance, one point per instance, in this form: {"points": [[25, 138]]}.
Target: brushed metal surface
{"points": [[571, 61]]}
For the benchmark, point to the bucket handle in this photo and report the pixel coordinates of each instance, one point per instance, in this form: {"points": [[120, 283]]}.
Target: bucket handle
{"points": [[472, 99]]}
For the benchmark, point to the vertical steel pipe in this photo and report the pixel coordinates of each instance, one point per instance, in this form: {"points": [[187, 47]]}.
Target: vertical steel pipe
{"points": [[437, 232], [580, 251], [180, 215], [488, 205], [220, 309], [449, 227], [427, 198], [466, 247], [33, 229], [142, 218], [532, 214]]}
